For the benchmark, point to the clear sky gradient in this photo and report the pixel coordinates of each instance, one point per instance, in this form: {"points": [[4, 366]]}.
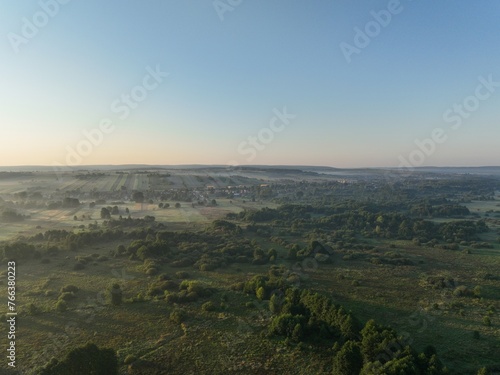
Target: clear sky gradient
{"points": [[232, 67]]}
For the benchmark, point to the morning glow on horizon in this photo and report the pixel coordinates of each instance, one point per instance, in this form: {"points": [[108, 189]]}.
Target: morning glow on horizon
{"points": [[380, 84]]}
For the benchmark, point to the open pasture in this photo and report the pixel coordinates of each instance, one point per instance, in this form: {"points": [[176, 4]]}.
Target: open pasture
{"points": [[430, 294]]}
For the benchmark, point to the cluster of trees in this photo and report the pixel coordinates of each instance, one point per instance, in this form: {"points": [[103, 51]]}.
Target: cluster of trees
{"points": [[390, 189], [391, 225], [73, 241], [70, 202], [303, 316], [25, 195], [65, 203], [167, 251], [18, 250], [130, 222], [444, 210], [379, 350], [462, 230], [106, 212], [189, 291], [307, 316], [138, 196], [88, 359], [225, 226], [10, 215], [216, 247]]}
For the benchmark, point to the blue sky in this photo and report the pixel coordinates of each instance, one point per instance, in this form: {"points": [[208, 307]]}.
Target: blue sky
{"points": [[229, 72]]}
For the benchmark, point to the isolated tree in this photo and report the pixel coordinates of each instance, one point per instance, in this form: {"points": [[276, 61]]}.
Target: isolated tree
{"points": [[292, 253], [138, 197], [275, 304], [88, 359], [258, 253], [371, 336], [127, 211], [160, 205], [116, 295], [348, 360], [120, 250], [272, 253], [261, 293], [105, 213], [177, 205], [477, 291], [297, 333], [61, 305], [115, 211]]}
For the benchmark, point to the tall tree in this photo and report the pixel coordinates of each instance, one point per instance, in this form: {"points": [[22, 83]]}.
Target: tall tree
{"points": [[138, 197], [88, 359], [105, 214], [348, 360]]}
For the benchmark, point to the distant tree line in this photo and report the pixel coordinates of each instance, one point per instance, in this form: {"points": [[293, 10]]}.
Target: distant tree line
{"points": [[369, 224]]}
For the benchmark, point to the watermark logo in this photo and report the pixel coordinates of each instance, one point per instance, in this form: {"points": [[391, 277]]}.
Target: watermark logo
{"points": [[31, 27], [372, 29], [221, 7], [121, 106], [253, 144], [455, 116], [461, 111]]}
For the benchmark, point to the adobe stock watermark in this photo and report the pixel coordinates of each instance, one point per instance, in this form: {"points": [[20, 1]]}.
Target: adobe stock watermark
{"points": [[122, 107], [455, 116], [253, 144], [372, 29], [223, 6], [31, 26]]}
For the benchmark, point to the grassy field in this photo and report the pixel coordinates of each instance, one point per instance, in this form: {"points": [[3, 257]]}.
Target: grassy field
{"points": [[400, 297], [184, 217], [109, 184], [228, 340], [394, 295]]}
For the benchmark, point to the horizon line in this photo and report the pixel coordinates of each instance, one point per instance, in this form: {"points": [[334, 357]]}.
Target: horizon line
{"points": [[236, 166]]}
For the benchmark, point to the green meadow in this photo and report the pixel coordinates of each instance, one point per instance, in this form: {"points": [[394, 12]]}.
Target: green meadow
{"points": [[184, 273]]}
